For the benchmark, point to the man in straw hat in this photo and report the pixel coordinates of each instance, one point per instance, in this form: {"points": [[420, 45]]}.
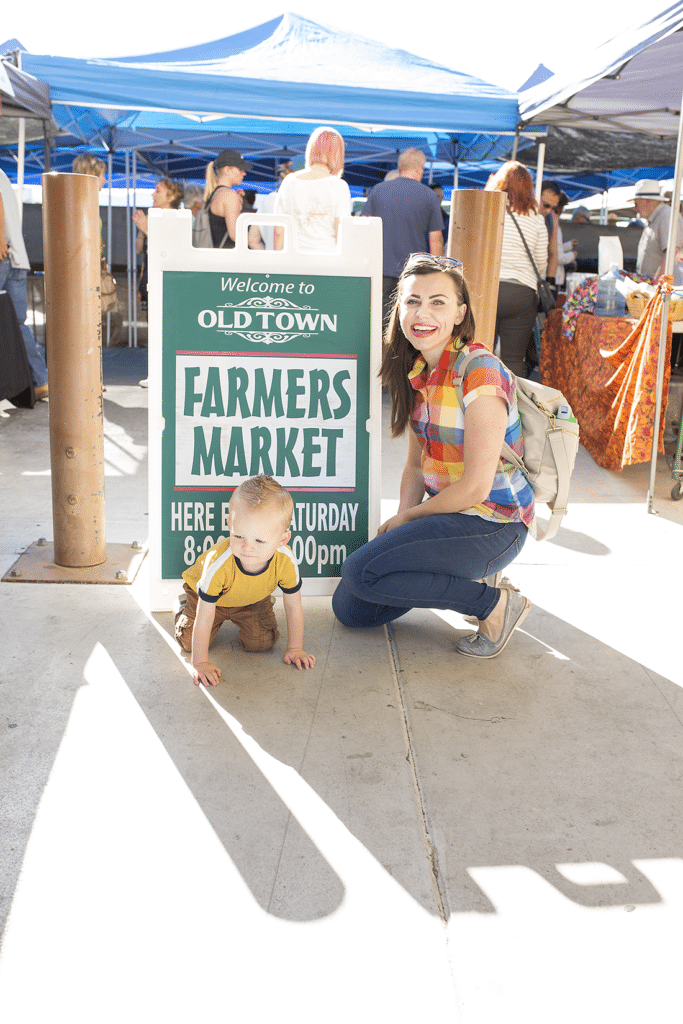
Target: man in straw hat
{"points": [[651, 206]]}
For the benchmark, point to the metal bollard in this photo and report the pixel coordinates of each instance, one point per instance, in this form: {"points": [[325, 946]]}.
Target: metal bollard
{"points": [[71, 242]]}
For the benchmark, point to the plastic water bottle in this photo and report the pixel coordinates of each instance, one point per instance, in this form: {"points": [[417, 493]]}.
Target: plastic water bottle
{"points": [[565, 413], [610, 302]]}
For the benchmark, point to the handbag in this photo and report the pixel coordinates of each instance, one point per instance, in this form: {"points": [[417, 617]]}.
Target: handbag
{"points": [[108, 297], [546, 296]]}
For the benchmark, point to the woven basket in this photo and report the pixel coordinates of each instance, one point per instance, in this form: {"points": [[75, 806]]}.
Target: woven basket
{"points": [[637, 301]]}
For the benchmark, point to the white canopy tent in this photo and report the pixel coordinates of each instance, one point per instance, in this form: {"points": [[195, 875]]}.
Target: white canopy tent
{"points": [[633, 82]]}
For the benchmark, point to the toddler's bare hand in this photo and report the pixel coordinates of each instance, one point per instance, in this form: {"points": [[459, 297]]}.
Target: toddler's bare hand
{"points": [[297, 656], [206, 673]]}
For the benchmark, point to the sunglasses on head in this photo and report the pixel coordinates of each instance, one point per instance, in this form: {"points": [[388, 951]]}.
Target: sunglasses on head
{"points": [[446, 261]]}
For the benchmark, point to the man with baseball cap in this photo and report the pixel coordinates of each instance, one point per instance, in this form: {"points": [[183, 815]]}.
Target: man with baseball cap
{"points": [[650, 205]]}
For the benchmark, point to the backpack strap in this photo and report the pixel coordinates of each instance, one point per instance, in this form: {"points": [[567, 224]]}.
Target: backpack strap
{"points": [[506, 450], [559, 507], [528, 251]]}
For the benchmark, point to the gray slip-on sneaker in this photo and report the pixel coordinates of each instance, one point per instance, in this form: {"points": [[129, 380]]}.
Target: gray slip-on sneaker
{"points": [[476, 645]]}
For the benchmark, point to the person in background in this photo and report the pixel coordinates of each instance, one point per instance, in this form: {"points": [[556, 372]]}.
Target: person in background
{"points": [[438, 192], [550, 197], [410, 213], [566, 251], [224, 203], [86, 163], [167, 195], [517, 287], [651, 206], [316, 196], [581, 215], [14, 267], [193, 199], [255, 239], [248, 200]]}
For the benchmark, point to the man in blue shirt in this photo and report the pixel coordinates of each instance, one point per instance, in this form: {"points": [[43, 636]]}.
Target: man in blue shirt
{"points": [[411, 219]]}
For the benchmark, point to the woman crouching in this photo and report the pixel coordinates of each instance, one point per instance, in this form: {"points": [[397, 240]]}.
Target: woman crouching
{"points": [[435, 553]]}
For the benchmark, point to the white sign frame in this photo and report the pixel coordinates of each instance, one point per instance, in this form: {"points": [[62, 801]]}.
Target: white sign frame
{"points": [[359, 254]]}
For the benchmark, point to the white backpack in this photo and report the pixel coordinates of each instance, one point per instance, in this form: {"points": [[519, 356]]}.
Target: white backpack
{"points": [[551, 441]]}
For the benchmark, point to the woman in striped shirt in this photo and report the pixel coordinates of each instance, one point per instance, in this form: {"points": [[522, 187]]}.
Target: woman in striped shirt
{"points": [[517, 288], [464, 511]]}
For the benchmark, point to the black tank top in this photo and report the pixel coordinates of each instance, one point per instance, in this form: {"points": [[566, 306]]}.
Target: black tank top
{"points": [[218, 226]]}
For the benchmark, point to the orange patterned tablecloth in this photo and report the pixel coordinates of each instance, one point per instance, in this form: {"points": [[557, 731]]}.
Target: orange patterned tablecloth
{"points": [[608, 374]]}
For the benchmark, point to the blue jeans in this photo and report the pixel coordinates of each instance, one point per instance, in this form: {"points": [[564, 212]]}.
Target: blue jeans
{"points": [[13, 281], [433, 562]]}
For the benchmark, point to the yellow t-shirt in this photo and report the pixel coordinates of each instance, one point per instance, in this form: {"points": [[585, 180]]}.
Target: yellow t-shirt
{"points": [[217, 576]]}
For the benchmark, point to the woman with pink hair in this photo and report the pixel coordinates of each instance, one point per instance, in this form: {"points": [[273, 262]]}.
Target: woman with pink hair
{"points": [[316, 196]]}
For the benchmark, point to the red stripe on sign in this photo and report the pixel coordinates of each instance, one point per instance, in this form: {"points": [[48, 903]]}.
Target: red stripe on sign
{"points": [[266, 355]]}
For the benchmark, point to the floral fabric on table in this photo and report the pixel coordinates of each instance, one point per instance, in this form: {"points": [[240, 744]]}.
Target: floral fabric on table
{"points": [[607, 370]]}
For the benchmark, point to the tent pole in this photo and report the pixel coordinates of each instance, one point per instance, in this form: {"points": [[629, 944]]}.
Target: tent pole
{"points": [[128, 249], [134, 254], [21, 154], [46, 149], [515, 144], [668, 270], [603, 208], [109, 252], [539, 170]]}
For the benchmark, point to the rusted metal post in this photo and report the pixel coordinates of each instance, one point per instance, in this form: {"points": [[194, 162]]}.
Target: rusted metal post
{"points": [[71, 243], [475, 236]]}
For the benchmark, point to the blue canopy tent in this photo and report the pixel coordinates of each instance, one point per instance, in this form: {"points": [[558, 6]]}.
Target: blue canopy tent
{"points": [[263, 91]]}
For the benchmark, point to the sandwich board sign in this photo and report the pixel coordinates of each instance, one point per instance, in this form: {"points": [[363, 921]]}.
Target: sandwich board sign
{"points": [[263, 362]]}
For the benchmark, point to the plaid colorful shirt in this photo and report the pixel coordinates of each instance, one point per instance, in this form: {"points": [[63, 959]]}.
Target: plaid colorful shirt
{"points": [[439, 425]]}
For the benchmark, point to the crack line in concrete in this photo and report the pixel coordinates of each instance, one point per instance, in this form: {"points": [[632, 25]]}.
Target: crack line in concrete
{"points": [[440, 894], [299, 770]]}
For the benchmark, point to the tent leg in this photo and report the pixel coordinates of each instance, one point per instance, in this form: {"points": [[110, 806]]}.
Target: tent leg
{"points": [[46, 148], [129, 261], [539, 170], [134, 255], [668, 270], [109, 235]]}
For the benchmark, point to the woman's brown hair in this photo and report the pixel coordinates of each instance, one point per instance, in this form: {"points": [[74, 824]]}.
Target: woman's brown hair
{"points": [[514, 179], [399, 354], [176, 189]]}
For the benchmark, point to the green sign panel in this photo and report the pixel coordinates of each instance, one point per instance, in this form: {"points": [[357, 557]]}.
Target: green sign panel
{"points": [[265, 373]]}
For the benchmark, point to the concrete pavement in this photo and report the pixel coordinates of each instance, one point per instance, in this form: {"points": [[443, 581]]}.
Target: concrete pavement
{"points": [[400, 832]]}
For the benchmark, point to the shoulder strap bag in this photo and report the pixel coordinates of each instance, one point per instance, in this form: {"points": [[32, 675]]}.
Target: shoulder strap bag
{"points": [[546, 298]]}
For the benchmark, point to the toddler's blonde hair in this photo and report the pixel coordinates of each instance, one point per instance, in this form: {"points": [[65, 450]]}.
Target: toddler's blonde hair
{"points": [[262, 493]]}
